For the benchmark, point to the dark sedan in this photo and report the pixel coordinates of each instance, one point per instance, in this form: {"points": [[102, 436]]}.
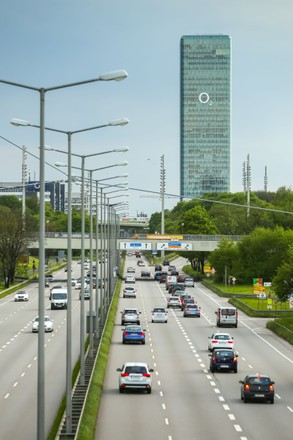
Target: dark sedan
{"points": [[133, 333], [257, 387], [224, 359]]}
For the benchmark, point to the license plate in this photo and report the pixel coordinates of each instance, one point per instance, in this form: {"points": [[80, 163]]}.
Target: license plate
{"points": [[224, 366], [259, 395]]}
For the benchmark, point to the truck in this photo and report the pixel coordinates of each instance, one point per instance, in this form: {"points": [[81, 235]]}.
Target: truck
{"points": [[59, 298]]}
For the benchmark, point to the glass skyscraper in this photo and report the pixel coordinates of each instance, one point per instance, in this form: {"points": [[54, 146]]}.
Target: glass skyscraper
{"points": [[205, 114]]}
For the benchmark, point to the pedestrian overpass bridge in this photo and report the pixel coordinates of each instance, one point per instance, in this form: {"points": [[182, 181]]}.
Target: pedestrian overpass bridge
{"points": [[139, 242]]}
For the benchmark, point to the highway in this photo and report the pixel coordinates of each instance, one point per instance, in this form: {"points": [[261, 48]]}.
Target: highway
{"points": [[18, 361], [187, 400]]}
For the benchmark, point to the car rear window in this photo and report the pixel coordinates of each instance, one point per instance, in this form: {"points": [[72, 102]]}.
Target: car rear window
{"points": [[224, 353], [223, 337], [159, 310], [228, 312], [259, 381], [136, 370]]}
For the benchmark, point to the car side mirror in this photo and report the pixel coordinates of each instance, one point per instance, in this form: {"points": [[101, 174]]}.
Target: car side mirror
{"points": [[273, 383], [241, 381], [210, 355], [215, 313], [118, 369], [151, 370]]}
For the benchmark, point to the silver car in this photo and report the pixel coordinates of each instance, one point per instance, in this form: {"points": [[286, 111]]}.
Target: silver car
{"points": [[130, 316], [189, 282], [129, 292], [135, 375], [159, 314]]}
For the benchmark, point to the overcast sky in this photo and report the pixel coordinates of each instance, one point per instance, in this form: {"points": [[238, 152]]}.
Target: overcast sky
{"points": [[51, 43]]}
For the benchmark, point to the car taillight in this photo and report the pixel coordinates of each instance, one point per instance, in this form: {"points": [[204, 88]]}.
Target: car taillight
{"points": [[186, 308], [124, 374], [247, 387], [146, 375], [214, 341], [125, 333], [230, 342], [235, 358], [214, 358], [237, 314], [141, 333], [271, 387]]}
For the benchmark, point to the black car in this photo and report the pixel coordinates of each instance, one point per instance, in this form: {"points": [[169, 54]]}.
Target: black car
{"points": [[166, 262], [158, 275], [257, 387], [224, 359], [158, 268], [145, 273]]}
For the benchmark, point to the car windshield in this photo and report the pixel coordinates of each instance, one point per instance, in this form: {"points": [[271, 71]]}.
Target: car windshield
{"points": [[59, 295], [159, 310], [136, 370], [130, 311]]}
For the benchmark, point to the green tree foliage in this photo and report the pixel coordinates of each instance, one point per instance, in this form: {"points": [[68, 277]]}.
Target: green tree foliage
{"points": [[262, 252], [225, 259], [283, 280], [13, 242], [11, 202]]}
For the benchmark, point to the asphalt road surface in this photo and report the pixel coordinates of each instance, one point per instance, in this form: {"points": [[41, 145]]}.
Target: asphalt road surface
{"points": [[188, 401], [18, 361]]}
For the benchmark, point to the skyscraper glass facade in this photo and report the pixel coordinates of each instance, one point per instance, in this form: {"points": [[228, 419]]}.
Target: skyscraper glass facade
{"points": [[205, 114]]}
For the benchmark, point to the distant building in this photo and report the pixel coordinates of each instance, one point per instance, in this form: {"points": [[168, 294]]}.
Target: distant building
{"points": [[205, 114], [54, 192]]}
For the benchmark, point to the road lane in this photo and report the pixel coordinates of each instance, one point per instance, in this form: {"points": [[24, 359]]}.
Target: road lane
{"points": [[187, 400]]}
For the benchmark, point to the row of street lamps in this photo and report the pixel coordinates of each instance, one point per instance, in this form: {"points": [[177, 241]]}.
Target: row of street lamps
{"points": [[111, 76]]}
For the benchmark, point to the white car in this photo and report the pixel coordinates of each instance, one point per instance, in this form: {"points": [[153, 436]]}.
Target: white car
{"points": [[220, 340], [130, 279], [129, 292], [135, 375], [47, 322], [130, 270], [159, 314], [189, 282], [21, 295]]}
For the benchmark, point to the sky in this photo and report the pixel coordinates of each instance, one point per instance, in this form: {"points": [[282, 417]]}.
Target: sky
{"points": [[46, 44]]}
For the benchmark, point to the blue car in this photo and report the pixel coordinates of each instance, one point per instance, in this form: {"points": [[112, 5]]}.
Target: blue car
{"points": [[133, 333], [191, 310]]}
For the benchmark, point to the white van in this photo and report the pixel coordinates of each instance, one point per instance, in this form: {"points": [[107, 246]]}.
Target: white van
{"points": [[227, 316], [59, 298]]}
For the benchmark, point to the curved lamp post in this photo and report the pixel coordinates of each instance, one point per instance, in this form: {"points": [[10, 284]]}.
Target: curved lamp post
{"points": [[20, 122], [111, 76]]}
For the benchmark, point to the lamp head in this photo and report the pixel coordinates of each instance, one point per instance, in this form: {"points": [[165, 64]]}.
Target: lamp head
{"points": [[19, 122], [117, 75], [121, 149], [122, 121]]}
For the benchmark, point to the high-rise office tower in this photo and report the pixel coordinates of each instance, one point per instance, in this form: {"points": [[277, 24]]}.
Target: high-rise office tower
{"points": [[205, 114]]}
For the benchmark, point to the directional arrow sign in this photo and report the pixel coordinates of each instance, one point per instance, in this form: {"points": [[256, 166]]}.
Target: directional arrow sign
{"points": [[135, 245]]}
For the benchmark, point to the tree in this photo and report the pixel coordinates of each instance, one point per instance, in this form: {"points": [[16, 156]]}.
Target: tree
{"points": [[197, 221], [262, 252], [225, 259], [283, 280], [13, 242]]}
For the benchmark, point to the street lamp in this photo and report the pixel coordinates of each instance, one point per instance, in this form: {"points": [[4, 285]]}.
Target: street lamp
{"points": [[20, 122], [82, 329], [116, 76]]}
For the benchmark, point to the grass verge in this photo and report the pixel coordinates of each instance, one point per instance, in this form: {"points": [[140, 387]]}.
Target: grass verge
{"points": [[90, 413]]}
